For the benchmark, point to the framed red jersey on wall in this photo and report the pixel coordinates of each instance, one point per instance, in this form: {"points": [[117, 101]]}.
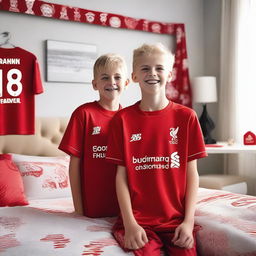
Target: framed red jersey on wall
{"points": [[19, 82]]}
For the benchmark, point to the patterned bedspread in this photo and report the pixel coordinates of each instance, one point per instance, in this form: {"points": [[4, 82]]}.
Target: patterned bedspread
{"points": [[50, 228], [228, 223]]}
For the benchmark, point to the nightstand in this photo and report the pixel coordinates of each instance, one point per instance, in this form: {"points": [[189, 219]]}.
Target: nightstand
{"points": [[231, 183]]}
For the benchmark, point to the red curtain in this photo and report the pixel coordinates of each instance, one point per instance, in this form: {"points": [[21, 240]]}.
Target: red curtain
{"points": [[178, 90]]}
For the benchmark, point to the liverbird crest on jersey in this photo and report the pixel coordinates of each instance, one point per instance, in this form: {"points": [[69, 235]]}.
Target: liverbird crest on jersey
{"points": [[173, 134]]}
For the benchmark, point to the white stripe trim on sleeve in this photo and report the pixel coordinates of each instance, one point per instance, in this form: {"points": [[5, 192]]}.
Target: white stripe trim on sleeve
{"points": [[197, 153], [74, 149], [116, 159]]}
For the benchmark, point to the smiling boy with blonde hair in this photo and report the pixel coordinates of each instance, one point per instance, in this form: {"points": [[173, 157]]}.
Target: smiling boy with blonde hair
{"points": [[92, 178], [155, 144]]}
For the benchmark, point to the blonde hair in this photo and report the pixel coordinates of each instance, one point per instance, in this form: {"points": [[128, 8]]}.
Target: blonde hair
{"points": [[109, 60], [149, 49]]}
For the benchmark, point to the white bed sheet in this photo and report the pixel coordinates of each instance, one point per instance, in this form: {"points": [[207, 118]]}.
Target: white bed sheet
{"points": [[48, 227], [228, 223]]}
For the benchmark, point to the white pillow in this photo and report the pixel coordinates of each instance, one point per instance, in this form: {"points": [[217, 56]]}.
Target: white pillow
{"points": [[44, 177]]}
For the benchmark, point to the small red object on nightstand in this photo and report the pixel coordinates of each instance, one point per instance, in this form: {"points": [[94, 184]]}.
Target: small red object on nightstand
{"points": [[249, 138]]}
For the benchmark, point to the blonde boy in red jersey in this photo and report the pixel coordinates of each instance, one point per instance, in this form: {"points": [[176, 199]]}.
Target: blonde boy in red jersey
{"points": [[155, 144], [92, 178]]}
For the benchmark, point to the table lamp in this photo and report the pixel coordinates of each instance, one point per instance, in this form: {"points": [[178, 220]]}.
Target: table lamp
{"points": [[205, 91]]}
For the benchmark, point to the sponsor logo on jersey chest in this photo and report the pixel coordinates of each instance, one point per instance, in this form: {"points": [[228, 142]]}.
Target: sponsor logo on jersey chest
{"points": [[157, 162], [135, 137], [96, 130]]}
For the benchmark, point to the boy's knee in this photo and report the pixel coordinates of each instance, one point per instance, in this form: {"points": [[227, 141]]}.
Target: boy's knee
{"points": [[152, 248]]}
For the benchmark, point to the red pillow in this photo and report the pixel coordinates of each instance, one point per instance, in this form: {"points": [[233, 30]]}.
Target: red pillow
{"points": [[11, 184]]}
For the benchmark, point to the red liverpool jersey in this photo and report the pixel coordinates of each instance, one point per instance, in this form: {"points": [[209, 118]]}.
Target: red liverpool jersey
{"points": [[19, 82], [155, 148], [86, 138]]}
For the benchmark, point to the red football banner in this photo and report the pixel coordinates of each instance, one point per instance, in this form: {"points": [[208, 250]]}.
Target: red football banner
{"points": [[178, 90]]}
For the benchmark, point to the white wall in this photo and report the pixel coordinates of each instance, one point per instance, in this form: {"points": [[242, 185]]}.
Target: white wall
{"points": [[212, 23], [201, 18], [60, 99]]}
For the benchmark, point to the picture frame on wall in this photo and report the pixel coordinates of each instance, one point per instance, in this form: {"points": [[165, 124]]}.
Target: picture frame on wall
{"points": [[70, 62]]}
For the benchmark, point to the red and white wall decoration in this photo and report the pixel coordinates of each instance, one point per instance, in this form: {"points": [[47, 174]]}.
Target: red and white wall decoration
{"points": [[178, 90]]}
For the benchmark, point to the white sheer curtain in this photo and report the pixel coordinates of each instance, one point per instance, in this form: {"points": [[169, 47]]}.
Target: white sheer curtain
{"points": [[237, 105], [247, 68]]}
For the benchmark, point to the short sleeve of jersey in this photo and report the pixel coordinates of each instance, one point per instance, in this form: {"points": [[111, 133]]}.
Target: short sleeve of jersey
{"points": [[115, 149], [38, 87], [73, 138], [196, 145]]}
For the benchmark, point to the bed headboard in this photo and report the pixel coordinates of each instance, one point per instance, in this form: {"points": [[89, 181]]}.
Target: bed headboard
{"points": [[45, 142]]}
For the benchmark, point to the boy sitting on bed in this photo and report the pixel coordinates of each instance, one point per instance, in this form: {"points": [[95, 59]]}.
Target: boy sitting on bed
{"points": [[155, 144], [85, 140]]}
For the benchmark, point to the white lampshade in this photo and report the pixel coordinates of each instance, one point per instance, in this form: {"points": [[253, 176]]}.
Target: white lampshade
{"points": [[204, 89]]}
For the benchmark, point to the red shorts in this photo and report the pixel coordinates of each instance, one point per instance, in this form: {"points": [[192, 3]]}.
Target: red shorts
{"points": [[156, 241]]}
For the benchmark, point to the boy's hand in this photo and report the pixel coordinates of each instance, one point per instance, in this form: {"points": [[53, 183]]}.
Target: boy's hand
{"points": [[183, 236], [135, 237]]}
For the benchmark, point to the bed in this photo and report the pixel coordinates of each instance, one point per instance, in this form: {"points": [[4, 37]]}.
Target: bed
{"points": [[46, 223]]}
